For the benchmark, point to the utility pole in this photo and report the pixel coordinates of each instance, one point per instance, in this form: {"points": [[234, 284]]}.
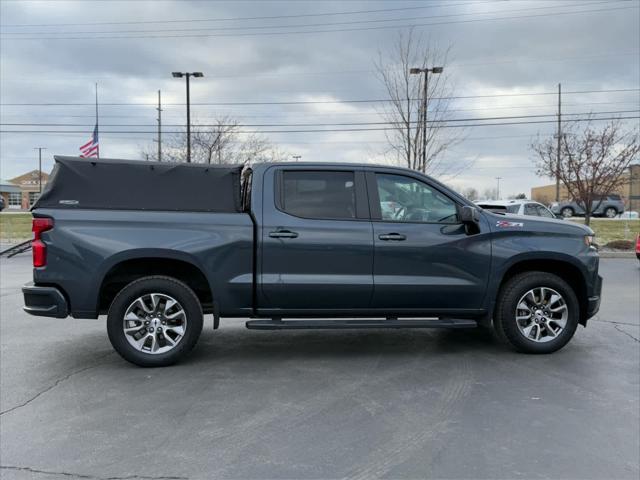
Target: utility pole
{"points": [[296, 157], [39, 168], [97, 133], [159, 127], [498, 192], [188, 122], [425, 100], [559, 142]]}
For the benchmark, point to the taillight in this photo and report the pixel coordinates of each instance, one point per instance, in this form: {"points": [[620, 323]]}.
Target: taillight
{"points": [[38, 247]]}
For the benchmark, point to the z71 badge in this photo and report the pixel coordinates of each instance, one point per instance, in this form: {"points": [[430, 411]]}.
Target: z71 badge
{"points": [[508, 224]]}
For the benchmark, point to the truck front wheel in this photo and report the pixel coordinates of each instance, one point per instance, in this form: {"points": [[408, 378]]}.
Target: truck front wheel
{"points": [[536, 312], [154, 321]]}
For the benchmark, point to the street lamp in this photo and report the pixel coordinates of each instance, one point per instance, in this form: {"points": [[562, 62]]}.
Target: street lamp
{"points": [[426, 71], [187, 75]]}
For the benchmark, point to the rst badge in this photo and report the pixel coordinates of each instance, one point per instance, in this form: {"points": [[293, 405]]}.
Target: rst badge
{"points": [[508, 224]]}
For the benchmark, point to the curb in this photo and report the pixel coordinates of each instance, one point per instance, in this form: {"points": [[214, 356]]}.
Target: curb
{"points": [[616, 254]]}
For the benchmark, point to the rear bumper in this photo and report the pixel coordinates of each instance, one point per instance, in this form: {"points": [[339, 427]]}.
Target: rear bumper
{"points": [[44, 301]]}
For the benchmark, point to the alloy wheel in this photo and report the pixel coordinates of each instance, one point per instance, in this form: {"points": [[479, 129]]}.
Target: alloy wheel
{"points": [[154, 323], [541, 314]]}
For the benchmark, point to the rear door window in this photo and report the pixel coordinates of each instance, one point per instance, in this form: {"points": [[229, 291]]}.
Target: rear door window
{"points": [[531, 209], [318, 194]]}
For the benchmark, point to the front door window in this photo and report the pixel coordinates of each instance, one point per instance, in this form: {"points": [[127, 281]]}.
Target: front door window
{"points": [[404, 199]]}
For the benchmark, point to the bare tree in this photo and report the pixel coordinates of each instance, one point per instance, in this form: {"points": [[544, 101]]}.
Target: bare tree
{"points": [[214, 143], [592, 160], [470, 193], [219, 142], [404, 109], [490, 194], [517, 196]]}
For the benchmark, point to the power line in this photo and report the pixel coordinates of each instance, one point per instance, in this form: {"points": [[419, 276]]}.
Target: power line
{"points": [[333, 113], [480, 63], [300, 32], [464, 125], [323, 102], [306, 25], [229, 19], [223, 125], [294, 142]]}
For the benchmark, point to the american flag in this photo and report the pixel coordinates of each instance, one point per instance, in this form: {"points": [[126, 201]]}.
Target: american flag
{"points": [[91, 149]]}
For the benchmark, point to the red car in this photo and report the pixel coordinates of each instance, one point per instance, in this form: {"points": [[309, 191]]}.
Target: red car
{"points": [[638, 246]]}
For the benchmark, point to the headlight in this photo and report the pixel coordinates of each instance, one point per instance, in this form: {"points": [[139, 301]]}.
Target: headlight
{"points": [[588, 240]]}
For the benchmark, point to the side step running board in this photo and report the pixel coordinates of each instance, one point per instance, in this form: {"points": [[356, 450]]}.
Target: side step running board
{"points": [[355, 324]]}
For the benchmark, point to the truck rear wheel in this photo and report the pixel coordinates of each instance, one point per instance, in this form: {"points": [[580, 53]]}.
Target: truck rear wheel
{"points": [[154, 321], [536, 312]]}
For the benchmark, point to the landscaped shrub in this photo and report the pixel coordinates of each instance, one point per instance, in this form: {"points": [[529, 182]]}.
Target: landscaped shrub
{"points": [[620, 245]]}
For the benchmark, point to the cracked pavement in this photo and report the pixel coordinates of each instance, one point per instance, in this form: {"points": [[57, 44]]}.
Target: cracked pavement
{"points": [[305, 404]]}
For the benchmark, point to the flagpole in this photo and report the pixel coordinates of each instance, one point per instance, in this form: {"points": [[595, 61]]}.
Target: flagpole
{"points": [[97, 132]]}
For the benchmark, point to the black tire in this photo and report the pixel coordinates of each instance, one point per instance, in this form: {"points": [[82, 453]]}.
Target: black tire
{"points": [[505, 321], [155, 284], [610, 212], [567, 212]]}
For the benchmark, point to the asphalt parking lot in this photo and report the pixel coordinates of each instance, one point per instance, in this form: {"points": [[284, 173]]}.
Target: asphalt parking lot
{"points": [[321, 404]]}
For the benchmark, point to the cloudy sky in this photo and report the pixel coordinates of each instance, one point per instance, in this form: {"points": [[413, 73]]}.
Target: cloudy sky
{"points": [[507, 59]]}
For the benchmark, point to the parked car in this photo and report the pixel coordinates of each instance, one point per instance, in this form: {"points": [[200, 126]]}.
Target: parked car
{"points": [[517, 207], [608, 206], [2, 203], [292, 244], [638, 247]]}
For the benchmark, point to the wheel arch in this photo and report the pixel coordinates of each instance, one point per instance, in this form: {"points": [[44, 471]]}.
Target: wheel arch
{"points": [[123, 269], [564, 268]]}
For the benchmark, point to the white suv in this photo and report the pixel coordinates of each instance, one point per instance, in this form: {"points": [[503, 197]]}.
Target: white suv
{"points": [[517, 207]]}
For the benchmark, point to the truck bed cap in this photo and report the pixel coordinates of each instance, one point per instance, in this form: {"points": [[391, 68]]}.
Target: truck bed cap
{"points": [[138, 185]]}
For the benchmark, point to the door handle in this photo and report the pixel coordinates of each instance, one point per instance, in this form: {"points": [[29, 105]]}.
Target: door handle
{"points": [[398, 237], [283, 234]]}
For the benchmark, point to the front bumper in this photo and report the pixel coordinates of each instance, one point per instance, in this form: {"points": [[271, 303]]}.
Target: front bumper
{"points": [[593, 302], [44, 301]]}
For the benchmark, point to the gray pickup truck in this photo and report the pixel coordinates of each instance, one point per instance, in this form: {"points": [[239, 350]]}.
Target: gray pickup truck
{"points": [[155, 246]]}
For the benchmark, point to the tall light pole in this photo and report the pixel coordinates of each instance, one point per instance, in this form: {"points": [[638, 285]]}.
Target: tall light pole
{"points": [[425, 93], [39, 168], [498, 192], [296, 157], [187, 75]]}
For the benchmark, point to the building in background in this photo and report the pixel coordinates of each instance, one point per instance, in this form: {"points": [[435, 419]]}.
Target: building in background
{"points": [[11, 194], [21, 192], [629, 189]]}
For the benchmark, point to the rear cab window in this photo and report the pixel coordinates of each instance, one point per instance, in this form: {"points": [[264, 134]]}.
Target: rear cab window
{"points": [[323, 195]]}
